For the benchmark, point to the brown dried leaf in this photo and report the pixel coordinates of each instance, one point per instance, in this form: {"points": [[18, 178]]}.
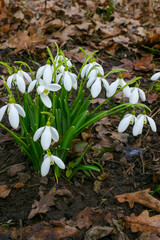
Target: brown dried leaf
{"points": [[98, 232], [18, 185], [144, 63], [40, 231], [143, 223], [142, 197], [122, 137], [152, 97], [47, 201], [4, 191]]}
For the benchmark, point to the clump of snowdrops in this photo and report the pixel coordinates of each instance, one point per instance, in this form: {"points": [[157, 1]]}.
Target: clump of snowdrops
{"points": [[50, 119]]}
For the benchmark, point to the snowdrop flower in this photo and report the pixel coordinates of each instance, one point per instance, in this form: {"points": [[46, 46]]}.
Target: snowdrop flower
{"points": [[48, 160], [94, 71], [47, 133], [59, 58], [141, 120], [68, 79], [119, 83], [18, 78], [13, 110], [96, 85], [34, 83], [135, 94], [46, 72], [124, 123], [155, 76], [44, 89]]}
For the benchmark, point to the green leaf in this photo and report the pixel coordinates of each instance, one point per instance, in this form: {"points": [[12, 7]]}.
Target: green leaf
{"points": [[9, 69], [68, 173], [67, 138], [115, 71]]}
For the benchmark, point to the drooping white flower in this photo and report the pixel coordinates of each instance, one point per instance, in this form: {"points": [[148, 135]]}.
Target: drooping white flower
{"points": [[68, 79], [50, 160], [13, 110], [155, 76], [124, 123], [34, 83], [44, 89], [140, 121], [18, 78], [135, 94], [119, 83], [94, 72], [59, 58], [47, 133], [95, 84], [45, 72]]}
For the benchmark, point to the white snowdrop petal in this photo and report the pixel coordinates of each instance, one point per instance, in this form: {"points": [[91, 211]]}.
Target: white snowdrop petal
{"points": [[46, 138], [2, 111], [38, 133], [40, 72], [134, 97], [124, 123], [74, 80], [58, 161], [47, 74], [58, 77], [138, 126], [46, 100], [142, 95], [90, 82], [20, 110], [9, 80], [54, 134], [155, 76], [67, 82], [45, 166], [69, 64], [13, 116], [105, 83], [93, 73], [84, 70], [96, 88], [21, 84], [152, 124], [100, 69], [27, 77], [53, 87], [127, 91], [40, 89], [112, 89], [31, 86]]}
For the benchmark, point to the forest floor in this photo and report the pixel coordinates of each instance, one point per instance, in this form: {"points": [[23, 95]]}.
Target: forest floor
{"points": [[90, 208]]}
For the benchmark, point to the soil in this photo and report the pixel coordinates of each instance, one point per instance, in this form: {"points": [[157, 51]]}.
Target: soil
{"points": [[134, 167]]}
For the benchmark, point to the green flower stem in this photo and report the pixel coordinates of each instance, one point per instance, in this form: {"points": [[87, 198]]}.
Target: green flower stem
{"points": [[25, 64], [18, 96]]}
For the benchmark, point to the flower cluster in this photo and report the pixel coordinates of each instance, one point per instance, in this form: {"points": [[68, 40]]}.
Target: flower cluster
{"points": [[51, 119], [138, 122]]}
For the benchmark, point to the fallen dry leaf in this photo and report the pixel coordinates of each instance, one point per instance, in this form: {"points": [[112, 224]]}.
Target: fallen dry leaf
{"points": [[42, 230], [18, 185], [144, 64], [142, 197], [47, 201], [152, 97], [4, 191], [143, 223], [98, 232]]}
